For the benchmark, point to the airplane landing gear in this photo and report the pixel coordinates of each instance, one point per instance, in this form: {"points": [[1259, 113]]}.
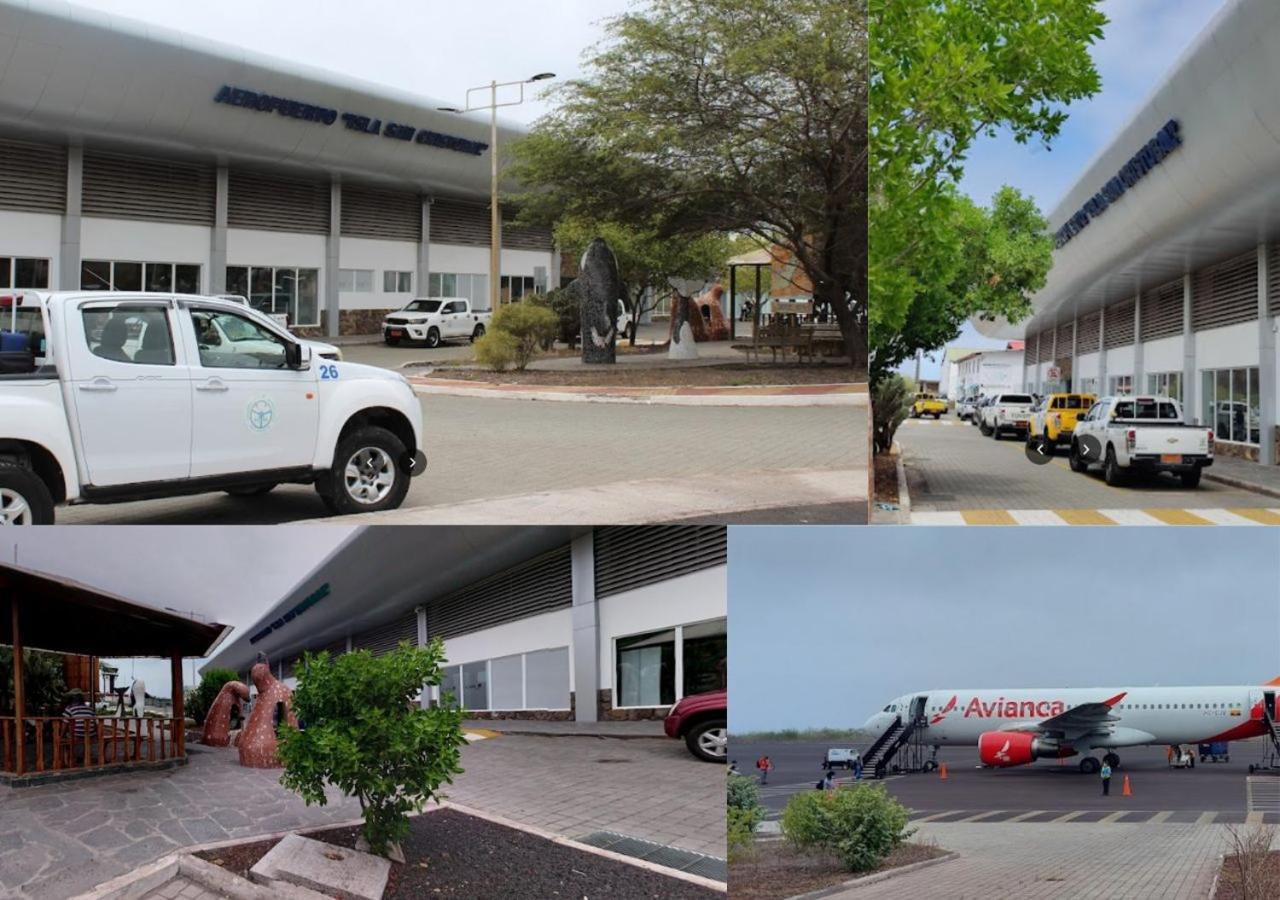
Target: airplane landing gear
{"points": [[1112, 760], [1090, 766]]}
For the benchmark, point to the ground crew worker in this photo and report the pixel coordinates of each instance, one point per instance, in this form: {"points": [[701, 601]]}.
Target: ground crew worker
{"points": [[1106, 779], [764, 764]]}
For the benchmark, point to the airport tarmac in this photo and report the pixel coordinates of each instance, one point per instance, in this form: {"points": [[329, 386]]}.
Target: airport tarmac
{"points": [[1045, 791]]}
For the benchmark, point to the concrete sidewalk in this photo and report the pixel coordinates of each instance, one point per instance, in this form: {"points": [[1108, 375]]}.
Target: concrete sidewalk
{"points": [[647, 501], [1245, 475], [837, 394], [641, 729]]}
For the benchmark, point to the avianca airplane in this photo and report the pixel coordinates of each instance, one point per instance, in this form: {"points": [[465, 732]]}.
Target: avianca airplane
{"points": [[1015, 727]]}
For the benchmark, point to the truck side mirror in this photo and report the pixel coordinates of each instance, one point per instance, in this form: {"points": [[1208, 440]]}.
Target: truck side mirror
{"points": [[297, 356]]}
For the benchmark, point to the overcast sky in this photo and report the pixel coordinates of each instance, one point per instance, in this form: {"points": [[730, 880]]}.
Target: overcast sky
{"points": [[1141, 44], [220, 574], [434, 47], [826, 625]]}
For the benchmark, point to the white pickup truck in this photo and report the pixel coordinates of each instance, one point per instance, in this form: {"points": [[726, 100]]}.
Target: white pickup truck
{"points": [[435, 320], [1147, 434], [1006, 412], [121, 396]]}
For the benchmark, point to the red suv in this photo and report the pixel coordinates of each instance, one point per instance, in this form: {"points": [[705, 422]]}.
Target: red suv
{"points": [[703, 721]]}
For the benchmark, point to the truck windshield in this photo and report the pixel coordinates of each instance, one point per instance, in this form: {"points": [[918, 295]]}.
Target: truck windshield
{"points": [[1147, 408], [426, 306], [1015, 398]]}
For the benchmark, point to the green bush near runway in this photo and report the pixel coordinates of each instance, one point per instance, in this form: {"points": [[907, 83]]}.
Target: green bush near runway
{"points": [[801, 734], [861, 824], [744, 814]]}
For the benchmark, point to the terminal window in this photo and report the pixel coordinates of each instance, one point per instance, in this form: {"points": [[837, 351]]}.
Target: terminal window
{"points": [[451, 284], [647, 674], [279, 290], [355, 280], [127, 275], [23, 272], [1166, 384], [397, 282], [1231, 404]]}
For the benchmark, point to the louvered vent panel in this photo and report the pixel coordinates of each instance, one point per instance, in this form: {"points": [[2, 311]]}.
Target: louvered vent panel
{"points": [[271, 203], [631, 557], [1226, 293], [1273, 280], [1087, 333], [1064, 341], [374, 213], [542, 584], [524, 238], [1118, 328], [1031, 352], [158, 190], [33, 177], [1162, 311], [388, 636], [459, 222]]}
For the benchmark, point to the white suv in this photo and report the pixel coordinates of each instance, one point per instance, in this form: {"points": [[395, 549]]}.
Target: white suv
{"points": [[1007, 412]]}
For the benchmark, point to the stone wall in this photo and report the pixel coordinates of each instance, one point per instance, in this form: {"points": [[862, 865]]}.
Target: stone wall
{"points": [[525, 715], [608, 713], [350, 321], [1236, 451]]}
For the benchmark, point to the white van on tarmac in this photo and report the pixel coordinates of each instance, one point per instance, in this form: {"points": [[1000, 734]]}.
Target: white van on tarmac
{"points": [[108, 397]]}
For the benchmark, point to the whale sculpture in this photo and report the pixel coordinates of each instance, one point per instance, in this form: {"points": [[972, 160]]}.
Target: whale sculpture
{"points": [[274, 705], [599, 292], [217, 722]]}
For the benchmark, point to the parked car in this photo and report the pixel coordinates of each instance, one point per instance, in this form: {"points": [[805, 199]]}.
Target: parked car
{"points": [[928, 405], [965, 407], [127, 396], [839, 758], [1140, 434], [435, 320], [702, 721], [1055, 416], [1006, 412], [975, 418]]}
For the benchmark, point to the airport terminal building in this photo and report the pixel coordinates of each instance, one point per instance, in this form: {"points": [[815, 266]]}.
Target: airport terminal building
{"points": [[135, 158], [1166, 276], [537, 622]]}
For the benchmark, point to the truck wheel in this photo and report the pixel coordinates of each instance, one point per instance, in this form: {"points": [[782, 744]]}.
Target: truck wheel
{"points": [[477, 334], [709, 740], [1075, 460], [252, 491], [983, 429], [433, 337], [1191, 479], [365, 476], [1111, 472], [24, 498]]}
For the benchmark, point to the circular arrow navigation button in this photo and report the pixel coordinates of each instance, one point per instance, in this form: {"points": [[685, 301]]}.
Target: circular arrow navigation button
{"points": [[1039, 450]]}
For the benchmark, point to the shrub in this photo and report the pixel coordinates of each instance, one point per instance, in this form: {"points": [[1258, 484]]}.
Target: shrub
{"points": [[45, 688], [364, 733], [890, 403], [201, 697], [495, 350], [568, 314], [743, 793], [530, 325], [861, 825], [744, 813]]}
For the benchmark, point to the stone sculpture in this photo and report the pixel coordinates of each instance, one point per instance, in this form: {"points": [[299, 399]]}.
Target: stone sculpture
{"points": [[138, 698], [599, 291], [217, 722], [684, 313], [274, 704], [712, 310]]}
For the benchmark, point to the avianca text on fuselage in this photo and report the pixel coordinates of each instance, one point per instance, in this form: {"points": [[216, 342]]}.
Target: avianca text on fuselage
{"points": [[1000, 708]]}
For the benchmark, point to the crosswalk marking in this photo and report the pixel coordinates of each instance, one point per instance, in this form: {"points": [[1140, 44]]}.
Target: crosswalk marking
{"points": [[1160, 817], [1156, 517], [930, 818], [1075, 814], [1026, 815], [1254, 818], [1114, 817], [1255, 814], [982, 815], [1206, 818]]}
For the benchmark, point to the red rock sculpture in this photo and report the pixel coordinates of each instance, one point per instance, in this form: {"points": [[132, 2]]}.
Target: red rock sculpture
{"points": [[274, 703], [713, 312], [217, 722], [686, 309]]}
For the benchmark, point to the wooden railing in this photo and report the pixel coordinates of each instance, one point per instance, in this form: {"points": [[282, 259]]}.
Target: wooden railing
{"points": [[56, 744]]}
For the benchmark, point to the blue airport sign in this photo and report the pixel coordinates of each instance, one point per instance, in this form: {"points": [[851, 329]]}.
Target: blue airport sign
{"points": [[1167, 139], [307, 112]]}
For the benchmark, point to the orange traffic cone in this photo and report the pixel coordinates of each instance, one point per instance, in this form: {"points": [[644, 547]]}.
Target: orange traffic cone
{"points": [[942, 772], [1126, 791]]}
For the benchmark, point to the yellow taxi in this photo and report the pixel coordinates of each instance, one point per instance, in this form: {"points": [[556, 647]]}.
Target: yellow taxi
{"points": [[1055, 416], [928, 405]]}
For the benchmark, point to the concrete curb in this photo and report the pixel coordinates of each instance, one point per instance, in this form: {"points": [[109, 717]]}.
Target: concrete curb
{"points": [[561, 395], [876, 877], [1241, 484], [904, 494]]}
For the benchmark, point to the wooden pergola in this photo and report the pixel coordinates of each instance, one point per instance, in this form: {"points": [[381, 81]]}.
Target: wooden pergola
{"points": [[45, 612]]}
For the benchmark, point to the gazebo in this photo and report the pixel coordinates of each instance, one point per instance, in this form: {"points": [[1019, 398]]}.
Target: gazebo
{"points": [[45, 612]]}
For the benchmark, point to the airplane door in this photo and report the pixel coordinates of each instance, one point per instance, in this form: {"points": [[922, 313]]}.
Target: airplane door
{"points": [[917, 708], [1269, 703]]}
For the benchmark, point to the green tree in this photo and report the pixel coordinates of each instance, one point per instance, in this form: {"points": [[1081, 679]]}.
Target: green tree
{"points": [[704, 116], [44, 688], [364, 733], [948, 72], [646, 258], [988, 264], [201, 697]]}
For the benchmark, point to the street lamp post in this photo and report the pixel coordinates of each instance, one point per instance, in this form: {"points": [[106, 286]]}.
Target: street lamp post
{"points": [[495, 218]]}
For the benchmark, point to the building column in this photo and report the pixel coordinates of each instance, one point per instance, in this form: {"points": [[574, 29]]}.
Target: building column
{"points": [[424, 701], [1137, 344], [218, 245], [1102, 352], [331, 259], [424, 249], [1055, 348], [1190, 389], [68, 277], [1266, 365], [1039, 363], [586, 630], [1075, 356], [179, 710]]}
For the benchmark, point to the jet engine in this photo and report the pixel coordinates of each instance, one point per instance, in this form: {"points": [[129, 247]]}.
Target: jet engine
{"points": [[1016, 748]]}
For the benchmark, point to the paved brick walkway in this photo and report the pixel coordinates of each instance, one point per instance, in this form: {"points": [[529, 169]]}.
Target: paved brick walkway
{"points": [[1125, 862], [181, 889], [60, 840], [952, 468]]}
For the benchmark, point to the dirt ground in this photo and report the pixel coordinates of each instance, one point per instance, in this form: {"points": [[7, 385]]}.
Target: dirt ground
{"points": [[1263, 878], [775, 870], [695, 376], [886, 479], [451, 854]]}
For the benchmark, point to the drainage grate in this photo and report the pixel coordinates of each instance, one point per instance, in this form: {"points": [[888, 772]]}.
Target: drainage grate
{"points": [[671, 857]]}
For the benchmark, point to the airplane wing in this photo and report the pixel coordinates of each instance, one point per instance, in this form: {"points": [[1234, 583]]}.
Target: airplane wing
{"points": [[1077, 721]]}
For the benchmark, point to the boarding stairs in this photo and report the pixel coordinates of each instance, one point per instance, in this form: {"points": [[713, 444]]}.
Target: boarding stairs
{"points": [[1271, 760], [903, 738]]}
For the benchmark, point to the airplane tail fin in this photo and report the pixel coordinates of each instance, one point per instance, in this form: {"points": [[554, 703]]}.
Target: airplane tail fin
{"points": [[1274, 682]]}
